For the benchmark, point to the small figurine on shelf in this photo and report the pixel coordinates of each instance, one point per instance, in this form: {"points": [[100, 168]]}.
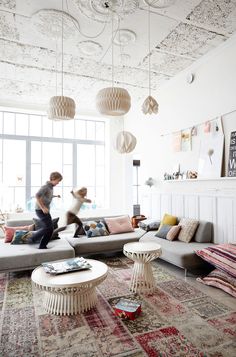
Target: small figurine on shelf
{"points": [[192, 174]]}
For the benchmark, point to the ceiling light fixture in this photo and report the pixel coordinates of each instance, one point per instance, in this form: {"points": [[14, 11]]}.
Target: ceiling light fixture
{"points": [[113, 101], [125, 142], [150, 105], [61, 107]]}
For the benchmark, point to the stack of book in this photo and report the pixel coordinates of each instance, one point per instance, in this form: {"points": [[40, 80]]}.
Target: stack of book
{"points": [[66, 266], [127, 309]]}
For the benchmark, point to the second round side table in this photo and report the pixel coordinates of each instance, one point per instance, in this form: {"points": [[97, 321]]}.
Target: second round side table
{"points": [[142, 253]]}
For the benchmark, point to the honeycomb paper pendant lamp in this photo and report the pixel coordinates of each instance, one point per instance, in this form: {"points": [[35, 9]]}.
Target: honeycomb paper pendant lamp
{"points": [[125, 142], [150, 105], [114, 101], [61, 108]]}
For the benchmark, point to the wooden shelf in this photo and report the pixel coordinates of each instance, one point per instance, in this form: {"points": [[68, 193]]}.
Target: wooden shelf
{"points": [[202, 179]]}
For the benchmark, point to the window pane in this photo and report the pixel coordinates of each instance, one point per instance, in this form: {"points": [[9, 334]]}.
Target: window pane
{"points": [[80, 129], [51, 159], [35, 125], [1, 122], [69, 129], [100, 131], [100, 175], [67, 154], [36, 174], [67, 197], [20, 197], [90, 130], [12, 168], [36, 152], [9, 123], [100, 202], [22, 124], [58, 129], [68, 176], [47, 127], [85, 158], [100, 155]]}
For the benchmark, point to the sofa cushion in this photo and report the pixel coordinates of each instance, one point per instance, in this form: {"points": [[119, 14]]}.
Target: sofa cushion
{"points": [[118, 225], [204, 232], [169, 219], [188, 228], [22, 237], [177, 252], [149, 225], [222, 256], [95, 228], [163, 230], [221, 280], [10, 231], [28, 256], [173, 233]]}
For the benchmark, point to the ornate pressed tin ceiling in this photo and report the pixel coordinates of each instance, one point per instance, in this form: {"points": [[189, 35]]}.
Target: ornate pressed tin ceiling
{"points": [[180, 34]]}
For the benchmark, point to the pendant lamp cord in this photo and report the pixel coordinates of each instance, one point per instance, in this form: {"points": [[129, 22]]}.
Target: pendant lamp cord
{"points": [[62, 46], [149, 52], [112, 50]]}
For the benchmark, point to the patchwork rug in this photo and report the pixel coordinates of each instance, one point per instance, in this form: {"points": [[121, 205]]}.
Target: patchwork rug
{"points": [[176, 320]]}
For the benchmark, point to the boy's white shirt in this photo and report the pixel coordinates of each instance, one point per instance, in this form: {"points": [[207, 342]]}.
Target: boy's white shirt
{"points": [[77, 203]]}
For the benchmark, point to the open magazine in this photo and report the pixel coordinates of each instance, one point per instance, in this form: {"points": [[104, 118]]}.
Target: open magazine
{"points": [[66, 266]]}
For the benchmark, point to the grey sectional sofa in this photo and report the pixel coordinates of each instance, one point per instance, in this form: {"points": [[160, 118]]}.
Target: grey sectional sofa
{"points": [[23, 257]]}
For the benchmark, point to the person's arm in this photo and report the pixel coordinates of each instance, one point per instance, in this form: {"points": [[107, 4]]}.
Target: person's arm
{"points": [[58, 196], [87, 200], [73, 194], [41, 204]]}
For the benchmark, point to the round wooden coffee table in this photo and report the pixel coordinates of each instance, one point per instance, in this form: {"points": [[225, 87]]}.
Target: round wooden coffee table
{"points": [[142, 253], [70, 293]]}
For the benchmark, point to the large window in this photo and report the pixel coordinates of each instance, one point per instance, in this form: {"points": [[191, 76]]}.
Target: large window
{"points": [[32, 146]]}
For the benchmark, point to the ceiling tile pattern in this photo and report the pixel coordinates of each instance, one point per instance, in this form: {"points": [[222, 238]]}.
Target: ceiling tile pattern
{"points": [[8, 4]]}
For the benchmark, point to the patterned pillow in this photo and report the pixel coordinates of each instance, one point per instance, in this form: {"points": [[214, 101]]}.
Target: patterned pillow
{"points": [[10, 231], [95, 228], [220, 280], [173, 232], [162, 231], [22, 237], [188, 228], [149, 225], [222, 256]]}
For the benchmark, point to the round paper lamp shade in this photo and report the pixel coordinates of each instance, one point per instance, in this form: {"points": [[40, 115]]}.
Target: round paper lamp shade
{"points": [[113, 101], [125, 142], [150, 106], [61, 108]]}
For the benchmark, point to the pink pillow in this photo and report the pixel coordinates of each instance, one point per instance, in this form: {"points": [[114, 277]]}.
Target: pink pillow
{"points": [[119, 224], [10, 231]]}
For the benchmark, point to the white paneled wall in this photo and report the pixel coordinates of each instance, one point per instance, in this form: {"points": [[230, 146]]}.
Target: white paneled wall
{"points": [[216, 208]]}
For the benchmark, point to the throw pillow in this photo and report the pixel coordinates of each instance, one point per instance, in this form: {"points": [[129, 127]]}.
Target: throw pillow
{"points": [[149, 225], [120, 224], [10, 231], [162, 231], [22, 237], [222, 256], [173, 232], [188, 228], [169, 219], [37, 225], [95, 228], [221, 280]]}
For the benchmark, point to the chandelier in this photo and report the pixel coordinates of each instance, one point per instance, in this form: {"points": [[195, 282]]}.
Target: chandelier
{"points": [[114, 101], [61, 107]]}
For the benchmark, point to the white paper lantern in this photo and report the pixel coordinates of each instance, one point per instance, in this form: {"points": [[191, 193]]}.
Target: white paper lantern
{"points": [[125, 142], [61, 108], [113, 101], [150, 106]]}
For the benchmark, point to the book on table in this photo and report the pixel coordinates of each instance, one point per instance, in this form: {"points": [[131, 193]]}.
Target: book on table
{"points": [[66, 266]]}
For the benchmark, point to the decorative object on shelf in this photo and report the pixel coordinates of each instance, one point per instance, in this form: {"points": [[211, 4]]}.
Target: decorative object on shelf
{"points": [[47, 22], [186, 140], [211, 156], [159, 4], [150, 182], [191, 174], [136, 207], [207, 127], [150, 105], [61, 107], [194, 131], [90, 48], [125, 142], [232, 155], [101, 10], [113, 101]]}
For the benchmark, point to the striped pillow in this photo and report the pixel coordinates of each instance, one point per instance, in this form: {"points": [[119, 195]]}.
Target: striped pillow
{"points": [[222, 256], [221, 280]]}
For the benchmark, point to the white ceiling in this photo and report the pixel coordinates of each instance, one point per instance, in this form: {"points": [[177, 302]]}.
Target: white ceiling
{"points": [[180, 34]]}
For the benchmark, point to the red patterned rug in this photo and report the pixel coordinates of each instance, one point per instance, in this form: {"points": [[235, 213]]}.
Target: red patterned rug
{"points": [[176, 320]]}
